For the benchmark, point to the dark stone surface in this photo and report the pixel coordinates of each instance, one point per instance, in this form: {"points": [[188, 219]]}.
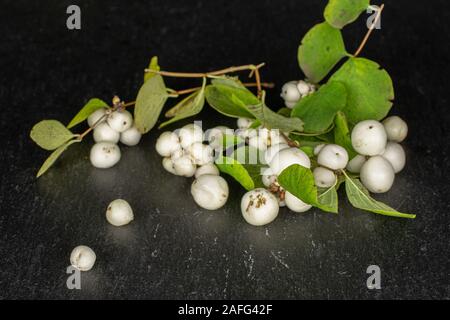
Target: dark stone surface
{"points": [[174, 249]]}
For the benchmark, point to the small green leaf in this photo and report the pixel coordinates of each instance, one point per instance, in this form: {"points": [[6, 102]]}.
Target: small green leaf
{"points": [[299, 181], [50, 134], [360, 198], [188, 107], [339, 13], [152, 66], [273, 120], [284, 111], [91, 106], [149, 102], [369, 89], [342, 134], [230, 98], [54, 156], [319, 109], [321, 49], [328, 197], [237, 171]]}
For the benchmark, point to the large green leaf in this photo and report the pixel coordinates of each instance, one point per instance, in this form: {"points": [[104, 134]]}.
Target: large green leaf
{"points": [[342, 134], [152, 66], [339, 13], [50, 134], [320, 50], [319, 109], [188, 107], [149, 102], [299, 181], [54, 156], [273, 120], [91, 106], [369, 89], [360, 198]]}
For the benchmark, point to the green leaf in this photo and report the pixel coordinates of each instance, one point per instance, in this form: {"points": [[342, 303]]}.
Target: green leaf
{"points": [[318, 110], [342, 134], [321, 49], [299, 181], [309, 150], [152, 66], [273, 120], [284, 111], [328, 197], [149, 102], [360, 198], [339, 13], [369, 89], [188, 107], [237, 170], [91, 106], [229, 140], [54, 156], [230, 98], [50, 134]]}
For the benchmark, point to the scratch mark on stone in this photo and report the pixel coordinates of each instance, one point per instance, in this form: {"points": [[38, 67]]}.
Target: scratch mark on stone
{"points": [[284, 264], [156, 230]]}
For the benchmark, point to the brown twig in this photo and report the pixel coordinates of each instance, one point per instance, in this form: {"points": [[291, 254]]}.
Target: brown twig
{"points": [[369, 32], [220, 72]]}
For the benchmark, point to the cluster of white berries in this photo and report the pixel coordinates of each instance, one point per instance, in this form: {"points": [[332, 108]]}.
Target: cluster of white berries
{"points": [[293, 91], [110, 128], [185, 154]]}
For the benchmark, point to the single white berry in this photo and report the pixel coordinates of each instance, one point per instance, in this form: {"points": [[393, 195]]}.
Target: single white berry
{"points": [[168, 165], [244, 123], [130, 137], [167, 144], [210, 191], [318, 148], [272, 151], [396, 128], [267, 177], [259, 207], [369, 138], [395, 154], [333, 156], [201, 153], [120, 120], [184, 166], [356, 163], [303, 88], [289, 92], [96, 116], [324, 177], [377, 174], [208, 168], [288, 157], [104, 155], [295, 204], [104, 133], [190, 134], [258, 142], [119, 213], [82, 258]]}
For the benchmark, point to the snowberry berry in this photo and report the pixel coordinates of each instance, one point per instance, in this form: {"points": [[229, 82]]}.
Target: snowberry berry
{"points": [[96, 116], [396, 128], [333, 156], [244, 123], [324, 177], [356, 163], [210, 191], [201, 154], [120, 120], [184, 166], [103, 132], [395, 154], [167, 164], [167, 143], [104, 155], [272, 151], [119, 213], [215, 136], [288, 157], [82, 258], [208, 168], [369, 138], [295, 204], [289, 92], [377, 174], [318, 148], [190, 134], [130, 137], [258, 143], [259, 207], [267, 177], [303, 88]]}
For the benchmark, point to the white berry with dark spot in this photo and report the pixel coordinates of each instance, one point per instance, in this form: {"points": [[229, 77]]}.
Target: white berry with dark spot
{"points": [[324, 177], [369, 138], [119, 213], [259, 207], [333, 156], [104, 155], [120, 120], [83, 258]]}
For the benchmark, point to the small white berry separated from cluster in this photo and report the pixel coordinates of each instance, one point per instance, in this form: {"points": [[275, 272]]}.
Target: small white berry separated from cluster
{"points": [[293, 91], [259, 207], [119, 213], [82, 258]]}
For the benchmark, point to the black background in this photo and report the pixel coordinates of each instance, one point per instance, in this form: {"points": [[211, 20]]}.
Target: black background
{"points": [[174, 249]]}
